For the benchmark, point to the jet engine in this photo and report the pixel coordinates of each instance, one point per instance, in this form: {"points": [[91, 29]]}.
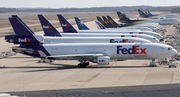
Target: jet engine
{"points": [[102, 60]]}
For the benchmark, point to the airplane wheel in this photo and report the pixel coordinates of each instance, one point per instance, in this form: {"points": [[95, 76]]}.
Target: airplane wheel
{"points": [[83, 65], [87, 63], [50, 61]]}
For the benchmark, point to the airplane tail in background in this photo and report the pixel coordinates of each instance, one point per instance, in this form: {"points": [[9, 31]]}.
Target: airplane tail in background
{"points": [[123, 18], [102, 22], [47, 27], [107, 21], [142, 14], [80, 24], [66, 26], [100, 25], [149, 13], [112, 21]]}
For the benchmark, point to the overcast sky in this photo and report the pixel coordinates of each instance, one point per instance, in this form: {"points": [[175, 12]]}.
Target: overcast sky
{"points": [[84, 3]]}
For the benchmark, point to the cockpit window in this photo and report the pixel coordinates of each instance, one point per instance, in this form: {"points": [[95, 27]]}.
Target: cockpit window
{"points": [[154, 38], [169, 48]]}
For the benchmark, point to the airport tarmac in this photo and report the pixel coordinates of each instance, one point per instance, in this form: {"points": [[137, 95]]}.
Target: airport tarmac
{"points": [[23, 73]]}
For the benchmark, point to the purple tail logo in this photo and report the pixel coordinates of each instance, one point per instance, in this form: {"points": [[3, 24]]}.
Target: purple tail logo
{"points": [[65, 25], [47, 27], [24, 40]]}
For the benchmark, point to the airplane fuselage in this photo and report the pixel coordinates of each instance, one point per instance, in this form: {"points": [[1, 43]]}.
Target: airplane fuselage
{"points": [[114, 51]]}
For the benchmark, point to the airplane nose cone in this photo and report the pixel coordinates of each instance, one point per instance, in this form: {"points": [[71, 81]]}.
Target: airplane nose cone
{"points": [[157, 40], [174, 52]]}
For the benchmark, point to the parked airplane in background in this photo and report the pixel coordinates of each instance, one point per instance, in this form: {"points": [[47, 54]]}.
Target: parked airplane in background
{"points": [[142, 27], [104, 23], [123, 26], [82, 26], [148, 14], [20, 33], [51, 31], [100, 53], [162, 21], [124, 19], [70, 28]]}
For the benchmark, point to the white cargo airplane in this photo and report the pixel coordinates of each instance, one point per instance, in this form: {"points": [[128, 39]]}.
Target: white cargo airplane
{"points": [[148, 14], [49, 30], [163, 21], [67, 27], [100, 53]]}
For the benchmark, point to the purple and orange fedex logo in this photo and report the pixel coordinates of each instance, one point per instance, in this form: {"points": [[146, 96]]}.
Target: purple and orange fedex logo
{"points": [[65, 25], [47, 27], [136, 50], [24, 40]]}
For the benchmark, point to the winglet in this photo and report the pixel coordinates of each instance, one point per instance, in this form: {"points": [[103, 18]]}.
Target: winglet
{"points": [[47, 27], [66, 26], [80, 24]]}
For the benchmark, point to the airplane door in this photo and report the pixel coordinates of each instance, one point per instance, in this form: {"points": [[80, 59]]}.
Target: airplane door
{"points": [[162, 52]]}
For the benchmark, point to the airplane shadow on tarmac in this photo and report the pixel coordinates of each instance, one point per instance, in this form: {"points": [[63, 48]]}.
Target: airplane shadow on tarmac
{"points": [[55, 66]]}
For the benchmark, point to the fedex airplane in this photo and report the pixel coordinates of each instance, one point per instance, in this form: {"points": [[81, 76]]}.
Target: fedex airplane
{"points": [[100, 53], [51, 31], [148, 14], [70, 28], [23, 35]]}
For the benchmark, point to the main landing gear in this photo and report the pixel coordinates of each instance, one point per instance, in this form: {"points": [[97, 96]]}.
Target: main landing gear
{"points": [[83, 64], [45, 61], [153, 63]]}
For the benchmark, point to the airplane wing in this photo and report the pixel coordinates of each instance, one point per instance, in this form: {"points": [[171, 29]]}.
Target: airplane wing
{"points": [[75, 56]]}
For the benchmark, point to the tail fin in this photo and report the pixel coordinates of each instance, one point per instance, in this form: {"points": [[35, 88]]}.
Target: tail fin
{"points": [[19, 27], [80, 24], [112, 21], [99, 25], [18, 30], [149, 13], [15, 16], [24, 35], [142, 14], [66, 26], [107, 21], [123, 18], [102, 22], [47, 27]]}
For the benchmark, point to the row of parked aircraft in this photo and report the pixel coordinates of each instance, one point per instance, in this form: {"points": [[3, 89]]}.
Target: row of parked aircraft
{"points": [[86, 45], [150, 23]]}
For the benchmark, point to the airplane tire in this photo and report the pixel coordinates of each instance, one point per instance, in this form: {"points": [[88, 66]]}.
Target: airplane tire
{"points": [[83, 65], [87, 63]]}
